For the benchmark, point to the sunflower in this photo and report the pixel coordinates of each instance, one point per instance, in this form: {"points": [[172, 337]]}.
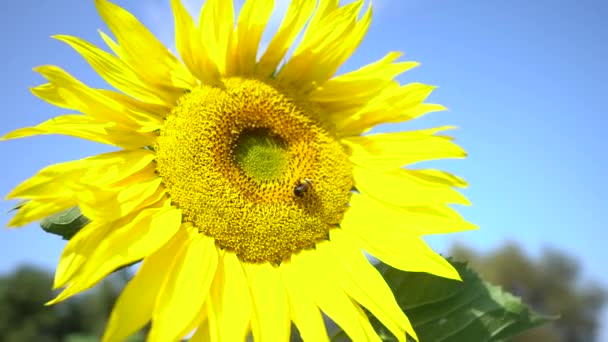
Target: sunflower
{"points": [[246, 185]]}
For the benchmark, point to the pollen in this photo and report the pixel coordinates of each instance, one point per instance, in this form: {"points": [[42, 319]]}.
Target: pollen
{"points": [[255, 168]]}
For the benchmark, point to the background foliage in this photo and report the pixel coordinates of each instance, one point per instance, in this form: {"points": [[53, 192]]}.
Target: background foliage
{"points": [[550, 284], [25, 318]]}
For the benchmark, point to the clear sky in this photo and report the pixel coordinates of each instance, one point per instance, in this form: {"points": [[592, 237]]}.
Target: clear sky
{"points": [[526, 82]]}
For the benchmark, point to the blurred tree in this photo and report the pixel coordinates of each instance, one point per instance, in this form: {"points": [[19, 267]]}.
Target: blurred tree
{"points": [[551, 285], [24, 317]]}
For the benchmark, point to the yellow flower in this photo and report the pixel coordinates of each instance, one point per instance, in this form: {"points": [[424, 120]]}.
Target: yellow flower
{"points": [[245, 186]]}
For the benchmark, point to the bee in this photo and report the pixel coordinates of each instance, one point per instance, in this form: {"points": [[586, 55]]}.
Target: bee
{"points": [[302, 187]]}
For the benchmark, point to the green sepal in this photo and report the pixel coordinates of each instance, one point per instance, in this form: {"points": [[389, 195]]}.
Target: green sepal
{"points": [[65, 223], [453, 311], [17, 206]]}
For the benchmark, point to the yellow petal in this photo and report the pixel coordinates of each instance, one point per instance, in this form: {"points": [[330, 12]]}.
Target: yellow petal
{"points": [[440, 210], [229, 303], [96, 203], [120, 75], [78, 249], [388, 151], [136, 107], [325, 46], [121, 168], [202, 333], [148, 57], [303, 311], [89, 128], [404, 187], [185, 289], [211, 328], [323, 37], [190, 46], [403, 251], [439, 177], [324, 8], [101, 170], [134, 307], [35, 210], [323, 287], [201, 325], [367, 215], [251, 23], [111, 44], [366, 122], [56, 187], [67, 92], [298, 13], [365, 284], [130, 239], [394, 104], [123, 197], [216, 23], [355, 88], [344, 49], [269, 322]]}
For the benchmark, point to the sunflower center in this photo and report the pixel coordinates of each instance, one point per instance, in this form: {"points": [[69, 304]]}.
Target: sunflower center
{"points": [[255, 168], [260, 155]]}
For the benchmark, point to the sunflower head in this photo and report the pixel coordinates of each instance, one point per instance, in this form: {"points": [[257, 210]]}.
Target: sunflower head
{"points": [[247, 185]]}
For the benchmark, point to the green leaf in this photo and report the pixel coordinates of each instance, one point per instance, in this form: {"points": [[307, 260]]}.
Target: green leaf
{"points": [[443, 310], [65, 223]]}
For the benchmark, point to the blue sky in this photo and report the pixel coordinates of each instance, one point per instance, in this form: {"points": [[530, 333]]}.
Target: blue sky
{"points": [[524, 80]]}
